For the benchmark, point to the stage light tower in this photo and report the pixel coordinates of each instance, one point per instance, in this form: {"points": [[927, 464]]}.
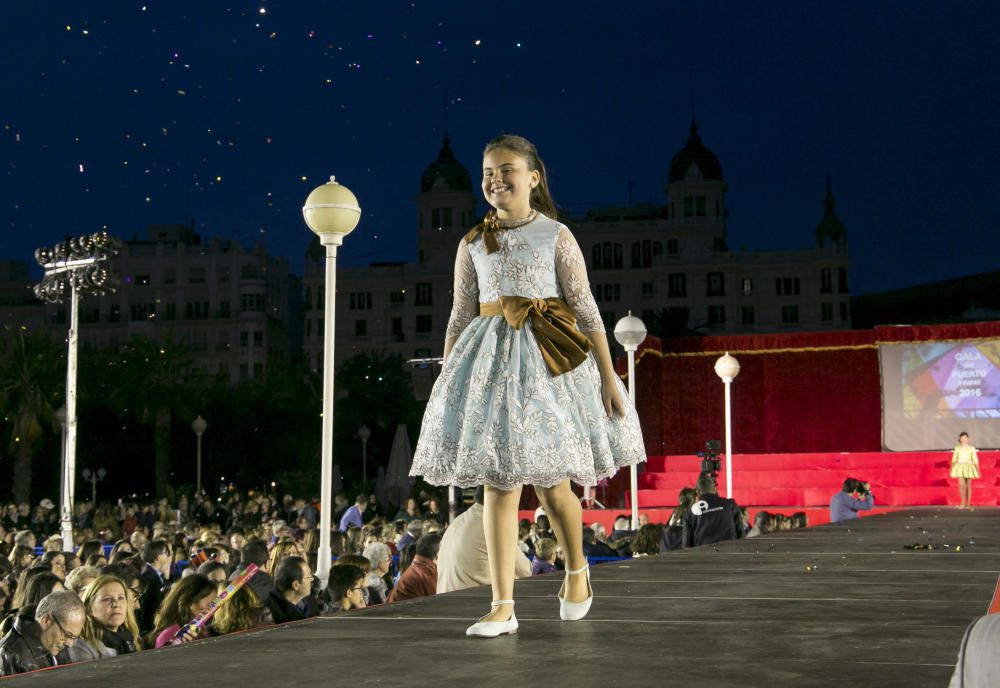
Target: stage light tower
{"points": [[78, 266], [630, 333], [332, 212], [727, 368]]}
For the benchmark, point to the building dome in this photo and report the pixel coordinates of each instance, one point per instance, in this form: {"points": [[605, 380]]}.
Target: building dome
{"points": [[830, 229], [695, 153], [447, 168]]}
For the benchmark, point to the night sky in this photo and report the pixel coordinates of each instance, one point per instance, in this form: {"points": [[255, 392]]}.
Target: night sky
{"points": [[128, 113]]}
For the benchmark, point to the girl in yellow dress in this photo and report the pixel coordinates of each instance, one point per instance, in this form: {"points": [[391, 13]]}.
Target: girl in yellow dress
{"points": [[965, 467]]}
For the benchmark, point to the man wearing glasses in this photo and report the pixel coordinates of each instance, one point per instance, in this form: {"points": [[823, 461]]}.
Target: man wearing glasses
{"points": [[37, 638]]}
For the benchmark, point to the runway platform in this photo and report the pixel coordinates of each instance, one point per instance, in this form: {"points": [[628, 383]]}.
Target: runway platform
{"points": [[841, 604]]}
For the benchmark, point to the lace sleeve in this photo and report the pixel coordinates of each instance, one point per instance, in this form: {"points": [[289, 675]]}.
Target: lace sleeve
{"points": [[465, 295], [571, 270]]}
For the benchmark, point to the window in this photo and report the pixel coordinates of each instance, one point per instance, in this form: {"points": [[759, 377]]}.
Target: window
{"points": [[747, 286], [397, 297], [672, 247], [718, 244], [169, 276], [607, 256], [644, 251], [648, 289], [141, 311], [360, 328], [825, 281], [826, 312], [141, 280], [424, 324], [244, 371], [196, 310], [716, 284], [114, 314], [309, 327], [842, 281], [436, 217], [677, 285], [699, 206], [244, 339], [843, 311], [250, 303], [307, 302], [90, 314], [397, 330], [361, 301], [424, 294], [789, 314], [258, 338], [258, 371], [787, 286], [716, 315], [223, 273], [689, 206], [170, 311], [196, 275], [612, 292], [747, 315], [447, 217], [224, 309], [249, 271]]}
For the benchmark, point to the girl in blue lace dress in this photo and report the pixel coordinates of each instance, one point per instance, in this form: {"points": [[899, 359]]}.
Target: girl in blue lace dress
{"points": [[528, 393]]}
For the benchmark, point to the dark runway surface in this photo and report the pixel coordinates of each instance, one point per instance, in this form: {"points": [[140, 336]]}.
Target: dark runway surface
{"points": [[832, 605]]}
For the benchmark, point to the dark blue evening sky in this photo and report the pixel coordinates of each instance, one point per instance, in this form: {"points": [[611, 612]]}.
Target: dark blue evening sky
{"points": [[217, 110]]}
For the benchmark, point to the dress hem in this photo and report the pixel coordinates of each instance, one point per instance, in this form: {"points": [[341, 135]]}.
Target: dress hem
{"points": [[442, 479]]}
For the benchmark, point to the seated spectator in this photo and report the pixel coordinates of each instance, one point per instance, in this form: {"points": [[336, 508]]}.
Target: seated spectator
{"points": [[53, 543], [462, 561], [711, 518], [353, 516], [122, 551], [242, 611], [188, 597], [89, 549], [292, 598], [57, 560], [344, 590], [420, 577], [408, 512], [800, 520], [157, 558], [545, 556], [80, 577], [405, 558], [283, 548], [542, 528], [621, 529], [593, 548], [763, 523], [255, 552], [378, 579], [647, 540], [414, 529], [854, 496], [40, 633], [526, 538], [215, 572], [434, 512], [35, 584], [108, 630]]}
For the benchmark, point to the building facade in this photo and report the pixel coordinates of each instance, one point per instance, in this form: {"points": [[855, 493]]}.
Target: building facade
{"points": [[227, 306], [670, 265]]}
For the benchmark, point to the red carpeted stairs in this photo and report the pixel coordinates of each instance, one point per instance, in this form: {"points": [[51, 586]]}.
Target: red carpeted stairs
{"points": [[805, 482]]}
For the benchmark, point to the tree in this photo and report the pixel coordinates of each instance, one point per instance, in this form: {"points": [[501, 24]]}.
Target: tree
{"points": [[153, 384], [32, 375]]}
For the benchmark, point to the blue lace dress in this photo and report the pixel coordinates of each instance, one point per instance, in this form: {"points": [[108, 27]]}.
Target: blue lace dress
{"points": [[496, 415]]}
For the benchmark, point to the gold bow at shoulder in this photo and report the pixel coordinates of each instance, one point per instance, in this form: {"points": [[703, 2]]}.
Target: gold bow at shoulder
{"points": [[562, 345], [489, 231]]}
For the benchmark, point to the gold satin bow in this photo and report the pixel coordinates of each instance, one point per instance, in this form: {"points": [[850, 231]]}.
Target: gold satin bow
{"points": [[488, 228], [562, 345]]}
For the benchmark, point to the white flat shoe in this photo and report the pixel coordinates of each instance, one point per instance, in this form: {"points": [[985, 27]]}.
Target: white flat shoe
{"points": [[492, 629], [574, 611]]}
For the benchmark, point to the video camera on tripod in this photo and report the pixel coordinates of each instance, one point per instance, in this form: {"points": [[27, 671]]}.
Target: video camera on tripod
{"points": [[710, 462]]}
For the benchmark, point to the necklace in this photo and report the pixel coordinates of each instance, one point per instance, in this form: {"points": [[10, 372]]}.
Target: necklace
{"points": [[497, 223]]}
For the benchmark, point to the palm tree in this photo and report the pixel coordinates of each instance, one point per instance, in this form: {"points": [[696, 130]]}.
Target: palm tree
{"points": [[32, 374], [153, 383]]}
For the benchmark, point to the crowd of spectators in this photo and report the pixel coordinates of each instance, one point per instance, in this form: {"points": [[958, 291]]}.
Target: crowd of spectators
{"points": [[139, 572]]}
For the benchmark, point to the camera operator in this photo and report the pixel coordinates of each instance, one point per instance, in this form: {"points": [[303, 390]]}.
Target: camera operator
{"points": [[853, 497], [711, 518]]}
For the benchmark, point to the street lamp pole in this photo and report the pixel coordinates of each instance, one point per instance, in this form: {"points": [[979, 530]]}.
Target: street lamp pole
{"points": [[727, 368], [199, 426], [364, 433], [630, 332], [77, 265], [94, 477], [331, 211]]}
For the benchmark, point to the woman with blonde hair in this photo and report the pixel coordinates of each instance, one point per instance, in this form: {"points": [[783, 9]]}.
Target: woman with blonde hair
{"points": [[241, 612], [283, 548], [80, 577], [110, 628]]}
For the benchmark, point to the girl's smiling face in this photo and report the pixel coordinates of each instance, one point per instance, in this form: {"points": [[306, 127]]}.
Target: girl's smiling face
{"points": [[507, 183]]}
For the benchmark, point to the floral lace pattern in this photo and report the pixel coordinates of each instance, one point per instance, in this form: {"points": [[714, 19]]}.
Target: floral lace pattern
{"points": [[496, 416]]}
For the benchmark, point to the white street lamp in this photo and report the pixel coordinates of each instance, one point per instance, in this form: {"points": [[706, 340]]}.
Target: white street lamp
{"points": [[630, 333], [199, 426], [364, 433], [728, 368], [78, 266], [93, 478], [332, 212]]}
